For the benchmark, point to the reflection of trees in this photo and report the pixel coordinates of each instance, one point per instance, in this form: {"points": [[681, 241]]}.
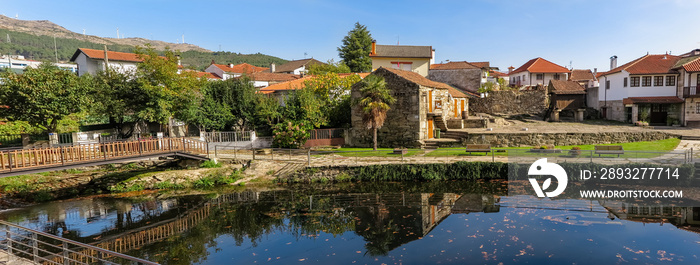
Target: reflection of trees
{"points": [[385, 228]]}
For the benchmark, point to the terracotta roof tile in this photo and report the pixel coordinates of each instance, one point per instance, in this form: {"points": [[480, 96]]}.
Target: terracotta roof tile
{"points": [[656, 100], [581, 75], [292, 65], [497, 73], [112, 56], [481, 64], [416, 78], [243, 68], [279, 77], [299, 83], [566, 87], [539, 65], [456, 93], [648, 64], [403, 51], [453, 66], [207, 75]]}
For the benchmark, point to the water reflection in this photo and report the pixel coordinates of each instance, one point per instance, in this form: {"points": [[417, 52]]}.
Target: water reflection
{"points": [[365, 223]]}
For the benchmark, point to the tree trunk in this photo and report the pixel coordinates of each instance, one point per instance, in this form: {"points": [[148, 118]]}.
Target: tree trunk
{"points": [[375, 138]]}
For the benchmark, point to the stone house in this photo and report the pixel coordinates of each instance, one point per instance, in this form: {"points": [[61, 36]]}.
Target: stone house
{"points": [[297, 67], [536, 72], [644, 89], [405, 57], [584, 77], [421, 106], [688, 86], [463, 75]]}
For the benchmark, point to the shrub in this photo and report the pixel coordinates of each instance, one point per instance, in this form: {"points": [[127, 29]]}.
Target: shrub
{"points": [[210, 164], [290, 134], [575, 151]]}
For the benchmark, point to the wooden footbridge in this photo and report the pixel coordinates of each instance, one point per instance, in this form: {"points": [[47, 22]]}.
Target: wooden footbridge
{"points": [[27, 161]]}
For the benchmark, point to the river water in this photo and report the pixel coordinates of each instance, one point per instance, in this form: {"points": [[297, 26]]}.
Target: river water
{"points": [[374, 223]]}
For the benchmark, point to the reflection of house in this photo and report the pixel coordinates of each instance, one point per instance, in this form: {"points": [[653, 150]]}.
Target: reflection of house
{"points": [[688, 217], [463, 75], [91, 61], [537, 71], [421, 106], [643, 89], [297, 67], [410, 58]]}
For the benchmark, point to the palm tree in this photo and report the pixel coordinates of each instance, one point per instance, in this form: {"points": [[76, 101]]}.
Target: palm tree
{"points": [[374, 103]]}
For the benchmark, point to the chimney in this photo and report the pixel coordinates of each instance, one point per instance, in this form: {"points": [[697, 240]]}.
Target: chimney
{"points": [[272, 68], [432, 56], [613, 62], [510, 69], [106, 66], [374, 47], [595, 71], [230, 65]]}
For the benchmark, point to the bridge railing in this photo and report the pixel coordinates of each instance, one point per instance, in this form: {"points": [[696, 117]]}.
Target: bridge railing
{"points": [[57, 156], [24, 244]]}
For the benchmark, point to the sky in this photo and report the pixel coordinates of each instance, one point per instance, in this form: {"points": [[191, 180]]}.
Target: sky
{"points": [[572, 33]]}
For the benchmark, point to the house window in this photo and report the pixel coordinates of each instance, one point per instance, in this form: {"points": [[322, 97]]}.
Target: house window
{"points": [[670, 80], [408, 66], [556, 76], [634, 81], [624, 82], [540, 76], [697, 107], [646, 80], [607, 84], [658, 81]]}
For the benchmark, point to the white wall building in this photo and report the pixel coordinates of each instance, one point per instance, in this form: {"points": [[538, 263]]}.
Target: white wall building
{"points": [[537, 71], [91, 61]]}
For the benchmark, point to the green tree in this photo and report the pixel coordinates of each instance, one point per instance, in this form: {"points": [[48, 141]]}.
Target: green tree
{"points": [[374, 103], [305, 106], [118, 97], [356, 48], [43, 96], [334, 91], [330, 67], [166, 92]]}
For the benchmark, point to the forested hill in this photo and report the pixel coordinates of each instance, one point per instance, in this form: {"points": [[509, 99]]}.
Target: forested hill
{"points": [[35, 40]]}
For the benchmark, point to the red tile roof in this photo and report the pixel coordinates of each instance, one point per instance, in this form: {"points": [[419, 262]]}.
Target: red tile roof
{"points": [[655, 100], [539, 65], [581, 75], [112, 56], [416, 78], [453, 66], [278, 77], [647, 64], [207, 75], [298, 83], [241, 68], [566, 87], [693, 66], [481, 64], [497, 73], [456, 93]]}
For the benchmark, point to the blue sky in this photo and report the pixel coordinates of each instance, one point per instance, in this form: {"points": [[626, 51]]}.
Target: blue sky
{"points": [[506, 32]]}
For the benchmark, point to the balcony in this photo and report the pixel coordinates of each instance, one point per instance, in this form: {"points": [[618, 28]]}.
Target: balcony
{"points": [[691, 92]]}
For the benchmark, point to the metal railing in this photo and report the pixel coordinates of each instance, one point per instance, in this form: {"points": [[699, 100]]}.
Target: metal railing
{"points": [[326, 134], [30, 245], [227, 136]]}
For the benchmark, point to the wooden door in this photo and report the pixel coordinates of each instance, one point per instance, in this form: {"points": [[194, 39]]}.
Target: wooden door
{"points": [[456, 109], [463, 105], [430, 129]]}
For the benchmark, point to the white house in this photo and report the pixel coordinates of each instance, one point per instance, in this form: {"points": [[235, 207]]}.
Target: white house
{"points": [[537, 71], [226, 71], [688, 84], [92, 61], [643, 89], [19, 63]]}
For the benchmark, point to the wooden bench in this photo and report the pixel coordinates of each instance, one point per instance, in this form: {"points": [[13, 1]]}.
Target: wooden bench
{"points": [[609, 150], [486, 148]]}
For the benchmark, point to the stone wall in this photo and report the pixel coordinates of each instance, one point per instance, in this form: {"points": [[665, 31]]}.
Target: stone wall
{"points": [[465, 79], [511, 102], [615, 110], [539, 139], [402, 127]]}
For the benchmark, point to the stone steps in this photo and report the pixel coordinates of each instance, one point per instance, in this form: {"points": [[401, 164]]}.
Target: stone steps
{"points": [[688, 137]]}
